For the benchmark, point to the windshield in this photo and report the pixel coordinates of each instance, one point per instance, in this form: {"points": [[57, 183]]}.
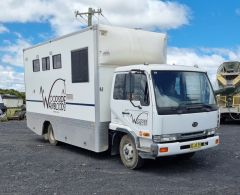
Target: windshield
{"points": [[182, 92]]}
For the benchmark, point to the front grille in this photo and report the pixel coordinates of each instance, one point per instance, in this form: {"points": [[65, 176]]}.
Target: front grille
{"points": [[195, 138], [192, 134], [189, 139]]}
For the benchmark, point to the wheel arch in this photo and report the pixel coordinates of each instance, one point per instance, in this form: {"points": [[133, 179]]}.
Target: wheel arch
{"points": [[45, 127], [116, 136]]}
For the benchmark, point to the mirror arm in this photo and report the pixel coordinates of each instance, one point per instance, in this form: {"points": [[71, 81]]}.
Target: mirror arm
{"points": [[135, 105]]}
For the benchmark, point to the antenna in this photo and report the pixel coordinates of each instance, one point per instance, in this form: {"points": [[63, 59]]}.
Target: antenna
{"points": [[89, 14]]}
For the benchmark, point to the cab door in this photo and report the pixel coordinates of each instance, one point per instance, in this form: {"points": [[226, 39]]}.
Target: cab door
{"points": [[131, 105]]}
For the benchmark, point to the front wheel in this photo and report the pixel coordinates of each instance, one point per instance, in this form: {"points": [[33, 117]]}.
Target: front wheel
{"points": [[129, 154], [45, 136], [50, 136]]}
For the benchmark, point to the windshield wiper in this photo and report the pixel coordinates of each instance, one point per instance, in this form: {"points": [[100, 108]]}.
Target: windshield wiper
{"points": [[207, 107], [186, 108], [179, 109], [193, 106]]}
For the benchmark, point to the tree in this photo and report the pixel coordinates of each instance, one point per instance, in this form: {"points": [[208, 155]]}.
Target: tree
{"points": [[13, 92]]}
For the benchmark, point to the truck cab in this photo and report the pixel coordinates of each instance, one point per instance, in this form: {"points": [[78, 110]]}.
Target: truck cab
{"points": [[162, 110]]}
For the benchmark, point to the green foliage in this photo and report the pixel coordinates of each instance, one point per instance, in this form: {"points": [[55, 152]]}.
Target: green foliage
{"points": [[3, 119], [13, 92]]}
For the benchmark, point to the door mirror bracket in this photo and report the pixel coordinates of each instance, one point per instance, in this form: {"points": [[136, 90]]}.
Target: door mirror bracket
{"points": [[140, 107]]}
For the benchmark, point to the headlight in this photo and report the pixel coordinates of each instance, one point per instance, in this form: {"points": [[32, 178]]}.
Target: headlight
{"points": [[210, 131], [164, 138], [156, 138]]}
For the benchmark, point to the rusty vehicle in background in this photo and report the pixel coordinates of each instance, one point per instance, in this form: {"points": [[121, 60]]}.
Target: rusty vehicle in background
{"points": [[228, 94]]}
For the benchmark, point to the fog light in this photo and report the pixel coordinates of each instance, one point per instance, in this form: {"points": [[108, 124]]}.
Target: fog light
{"points": [[163, 149]]}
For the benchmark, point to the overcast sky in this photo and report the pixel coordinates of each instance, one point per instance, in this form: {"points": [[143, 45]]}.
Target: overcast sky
{"points": [[200, 32]]}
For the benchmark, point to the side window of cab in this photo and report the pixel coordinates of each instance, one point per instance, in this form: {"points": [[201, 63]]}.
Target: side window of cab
{"points": [[119, 92], [140, 91], [132, 87]]}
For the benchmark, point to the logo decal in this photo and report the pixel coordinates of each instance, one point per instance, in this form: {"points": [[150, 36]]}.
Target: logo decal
{"points": [[195, 124], [141, 119], [56, 99]]}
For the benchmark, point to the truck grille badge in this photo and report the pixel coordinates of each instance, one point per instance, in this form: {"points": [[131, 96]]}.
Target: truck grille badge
{"points": [[195, 124]]}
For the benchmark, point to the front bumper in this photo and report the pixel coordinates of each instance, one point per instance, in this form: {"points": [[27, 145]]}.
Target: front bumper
{"points": [[183, 147]]}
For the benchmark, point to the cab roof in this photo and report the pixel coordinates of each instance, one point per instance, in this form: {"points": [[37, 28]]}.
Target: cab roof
{"points": [[151, 67]]}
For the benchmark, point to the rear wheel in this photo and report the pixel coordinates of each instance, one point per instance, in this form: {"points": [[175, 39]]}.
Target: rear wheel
{"points": [[129, 154], [50, 136]]}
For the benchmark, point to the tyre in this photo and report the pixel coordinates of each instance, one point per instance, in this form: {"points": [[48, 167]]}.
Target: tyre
{"points": [[186, 156], [50, 136], [45, 136], [129, 154]]}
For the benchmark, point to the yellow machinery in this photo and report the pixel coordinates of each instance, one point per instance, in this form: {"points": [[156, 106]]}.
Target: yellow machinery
{"points": [[228, 95]]}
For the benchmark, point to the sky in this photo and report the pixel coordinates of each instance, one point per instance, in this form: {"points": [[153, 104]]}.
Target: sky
{"points": [[200, 32]]}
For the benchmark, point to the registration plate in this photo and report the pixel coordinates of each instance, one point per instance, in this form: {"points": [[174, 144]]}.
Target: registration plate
{"points": [[195, 145]]}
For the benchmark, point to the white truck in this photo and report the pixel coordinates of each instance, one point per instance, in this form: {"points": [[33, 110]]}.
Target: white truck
{"points": [[99, 89]]}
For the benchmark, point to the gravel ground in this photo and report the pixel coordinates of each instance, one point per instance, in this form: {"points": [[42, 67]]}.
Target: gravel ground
{"points": [[29, 165]]}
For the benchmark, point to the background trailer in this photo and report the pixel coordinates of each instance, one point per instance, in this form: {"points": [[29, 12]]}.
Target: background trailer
{"points": [[69, 79]]}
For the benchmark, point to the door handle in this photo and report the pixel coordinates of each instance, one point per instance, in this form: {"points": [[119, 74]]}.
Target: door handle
{"points": [[125, 113]]}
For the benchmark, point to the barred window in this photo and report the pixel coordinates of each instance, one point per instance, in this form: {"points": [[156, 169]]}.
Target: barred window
{"points": [[45, 63], [36, 65], [57, 63]]}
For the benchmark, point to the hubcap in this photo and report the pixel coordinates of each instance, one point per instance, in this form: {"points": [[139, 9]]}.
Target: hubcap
{"points": [[128, 152]]}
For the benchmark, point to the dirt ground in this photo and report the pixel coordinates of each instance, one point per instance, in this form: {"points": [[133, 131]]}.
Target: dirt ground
{"points": [[29, 165]]}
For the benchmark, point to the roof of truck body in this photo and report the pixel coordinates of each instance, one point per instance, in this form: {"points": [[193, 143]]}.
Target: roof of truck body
{"points": [[95, 26], [151, 67], [59, 38]]}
